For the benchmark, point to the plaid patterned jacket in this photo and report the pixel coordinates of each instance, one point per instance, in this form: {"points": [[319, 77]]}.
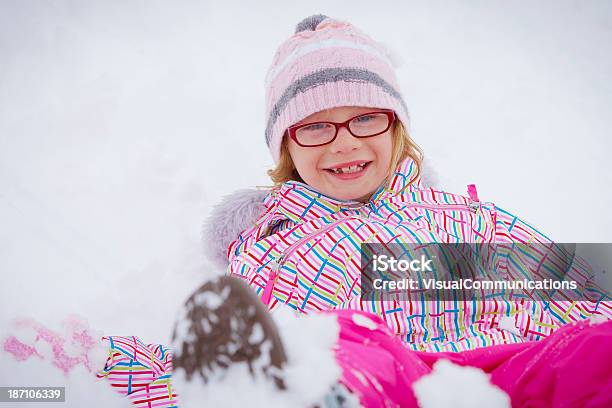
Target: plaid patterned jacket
{"points": [[304, 252], [139, 371]]}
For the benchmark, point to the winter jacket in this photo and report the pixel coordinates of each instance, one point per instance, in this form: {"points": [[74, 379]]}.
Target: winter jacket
{"points": [[304, 252]]}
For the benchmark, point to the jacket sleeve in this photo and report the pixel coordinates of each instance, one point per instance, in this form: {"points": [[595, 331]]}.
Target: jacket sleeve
{"points": [[115, 370], [523, 251], [141, 372]]}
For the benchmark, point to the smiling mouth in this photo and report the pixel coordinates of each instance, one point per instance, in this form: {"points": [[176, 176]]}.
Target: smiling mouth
{"points": [[353, 168]]}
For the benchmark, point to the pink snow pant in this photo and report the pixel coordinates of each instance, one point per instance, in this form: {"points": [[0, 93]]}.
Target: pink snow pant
{"points": [[571, 368]]}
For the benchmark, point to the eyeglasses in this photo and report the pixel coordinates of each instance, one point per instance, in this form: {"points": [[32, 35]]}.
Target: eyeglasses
{"points": [[321, 133]]}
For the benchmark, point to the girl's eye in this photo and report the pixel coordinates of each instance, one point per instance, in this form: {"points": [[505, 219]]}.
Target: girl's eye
{"points": [[364, 118], [314, 127]]}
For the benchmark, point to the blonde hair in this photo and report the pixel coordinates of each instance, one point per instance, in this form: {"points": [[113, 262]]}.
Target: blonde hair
{"points": [[403, 146]]}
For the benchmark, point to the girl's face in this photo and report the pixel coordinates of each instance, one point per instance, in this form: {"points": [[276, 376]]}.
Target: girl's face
{"points": [[331, 168]]}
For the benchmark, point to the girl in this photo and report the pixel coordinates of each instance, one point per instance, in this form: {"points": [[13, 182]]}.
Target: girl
{"points": [[348, 173]]}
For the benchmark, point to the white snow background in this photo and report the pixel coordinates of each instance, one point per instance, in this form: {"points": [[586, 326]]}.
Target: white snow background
{"points": [[123, 122]]}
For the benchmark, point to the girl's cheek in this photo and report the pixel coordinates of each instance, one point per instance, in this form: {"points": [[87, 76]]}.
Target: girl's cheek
{"points": [[308, 167]]}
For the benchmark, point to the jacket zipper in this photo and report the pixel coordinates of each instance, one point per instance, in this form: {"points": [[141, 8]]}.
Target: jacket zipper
{"points": [[278, 263]]}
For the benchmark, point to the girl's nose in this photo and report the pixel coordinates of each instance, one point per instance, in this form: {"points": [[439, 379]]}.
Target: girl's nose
{"points": [[345, 142]]}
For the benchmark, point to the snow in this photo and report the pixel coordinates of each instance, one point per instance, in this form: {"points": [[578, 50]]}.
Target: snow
{"points": [[507, 323], [80, 384], [308, 341], [257, 335], [364, 321], [450, 385], [121, 124], [309, 374], [50, 348], [212, 300], [597, 319]]}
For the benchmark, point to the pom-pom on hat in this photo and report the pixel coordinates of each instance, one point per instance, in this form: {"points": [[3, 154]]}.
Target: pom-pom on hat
{"points": [[325, 64]]}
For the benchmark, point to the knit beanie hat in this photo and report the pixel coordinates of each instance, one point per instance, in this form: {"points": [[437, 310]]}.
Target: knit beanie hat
{"points": [[327, 63]]}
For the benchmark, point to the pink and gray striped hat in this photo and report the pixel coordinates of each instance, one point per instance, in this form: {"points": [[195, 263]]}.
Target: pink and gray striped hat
{"points": [[327, 63]]}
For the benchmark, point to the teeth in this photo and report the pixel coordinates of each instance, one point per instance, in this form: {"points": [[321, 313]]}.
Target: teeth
{"points": [[350, 169]]}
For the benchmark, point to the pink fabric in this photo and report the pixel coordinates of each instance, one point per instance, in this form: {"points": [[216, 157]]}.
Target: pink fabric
{"points": [[326, 30], [267, 293], [335, 57], [471, 188], [569, 368]]}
